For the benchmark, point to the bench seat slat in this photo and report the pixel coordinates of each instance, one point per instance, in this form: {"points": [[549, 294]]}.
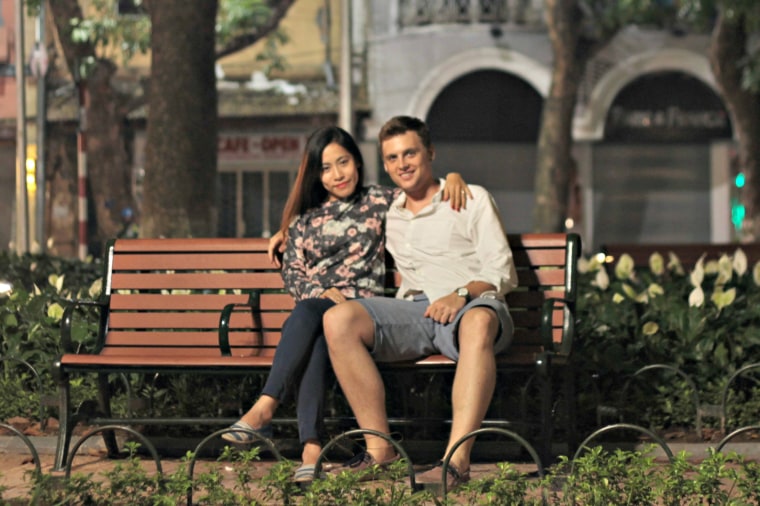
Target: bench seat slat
{"points": [[187, 358], [176, 360]]}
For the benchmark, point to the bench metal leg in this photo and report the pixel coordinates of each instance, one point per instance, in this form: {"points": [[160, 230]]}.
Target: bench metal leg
{"points": [[546, 430], [104, 402], [66, 424], [568, 387]]}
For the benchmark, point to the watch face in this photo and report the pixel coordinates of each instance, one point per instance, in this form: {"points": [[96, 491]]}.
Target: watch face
{"points": [[463, 292]]}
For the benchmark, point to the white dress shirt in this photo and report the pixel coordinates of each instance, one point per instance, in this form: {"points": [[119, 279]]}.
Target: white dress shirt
{"points": [[439, 249]]}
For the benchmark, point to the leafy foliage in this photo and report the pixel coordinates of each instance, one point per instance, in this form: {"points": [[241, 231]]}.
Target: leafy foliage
{"points": [[701, 14], [705, 324], [597, 477]]}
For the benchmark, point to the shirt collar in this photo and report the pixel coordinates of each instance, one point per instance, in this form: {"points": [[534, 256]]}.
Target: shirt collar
{"points": [[401, 199]]}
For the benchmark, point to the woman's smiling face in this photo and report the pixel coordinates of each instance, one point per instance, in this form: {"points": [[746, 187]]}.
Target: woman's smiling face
{"points": [[340, 174]]}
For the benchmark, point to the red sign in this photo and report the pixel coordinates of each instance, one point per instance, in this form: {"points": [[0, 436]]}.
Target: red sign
{"points": [[274, 147]]}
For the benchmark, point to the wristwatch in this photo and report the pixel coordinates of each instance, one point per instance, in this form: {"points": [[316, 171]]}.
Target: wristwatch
{"points": [[463, 292]]}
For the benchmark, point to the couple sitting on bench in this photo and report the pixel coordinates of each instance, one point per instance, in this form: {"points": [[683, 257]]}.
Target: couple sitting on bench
{"points": [[456, 266]]}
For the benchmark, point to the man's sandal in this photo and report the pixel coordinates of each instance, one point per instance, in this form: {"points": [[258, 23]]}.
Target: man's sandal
{"points": [[366, 466], [433, 478]]}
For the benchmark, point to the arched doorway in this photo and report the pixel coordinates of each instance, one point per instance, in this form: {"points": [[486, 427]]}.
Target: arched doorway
{"points": [[485, 125], [652, 175]]}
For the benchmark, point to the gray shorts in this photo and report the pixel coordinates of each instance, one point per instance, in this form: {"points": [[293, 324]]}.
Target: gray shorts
{"points": [[403, 333]]}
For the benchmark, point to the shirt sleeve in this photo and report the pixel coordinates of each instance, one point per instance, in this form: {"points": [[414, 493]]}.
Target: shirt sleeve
{"points": [[294, 272], [498, 266]]}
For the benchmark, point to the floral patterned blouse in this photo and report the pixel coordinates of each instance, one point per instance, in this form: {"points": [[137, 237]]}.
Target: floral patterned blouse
{"points": [[340, 244]]}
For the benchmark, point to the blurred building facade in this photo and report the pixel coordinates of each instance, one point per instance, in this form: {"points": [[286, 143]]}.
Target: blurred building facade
{"points": [[653, 138]]}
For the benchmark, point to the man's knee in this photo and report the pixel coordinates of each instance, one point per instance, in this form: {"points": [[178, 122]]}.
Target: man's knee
{"points": [[345, 321], [480, 324]]}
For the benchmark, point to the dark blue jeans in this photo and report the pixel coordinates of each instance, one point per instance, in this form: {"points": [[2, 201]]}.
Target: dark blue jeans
{"points": [[301, 357]]}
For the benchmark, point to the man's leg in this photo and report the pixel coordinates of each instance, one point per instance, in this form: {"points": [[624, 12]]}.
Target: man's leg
{"points": [[350, 334], [474, 380]]}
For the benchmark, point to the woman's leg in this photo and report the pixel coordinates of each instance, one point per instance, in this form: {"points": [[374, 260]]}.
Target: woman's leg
{"points": [[294, 353], [310, 401]]}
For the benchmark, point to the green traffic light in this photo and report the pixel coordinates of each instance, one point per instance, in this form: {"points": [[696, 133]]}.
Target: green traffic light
{"points": [[739, 180]]}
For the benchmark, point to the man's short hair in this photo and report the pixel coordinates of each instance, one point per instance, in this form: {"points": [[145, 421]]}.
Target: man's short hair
{"points": [[399, 125]]}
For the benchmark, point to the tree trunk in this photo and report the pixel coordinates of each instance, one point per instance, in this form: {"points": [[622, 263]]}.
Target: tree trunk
{"points": [[555, 164], [109, 179], [180, 155], [727, 47]]}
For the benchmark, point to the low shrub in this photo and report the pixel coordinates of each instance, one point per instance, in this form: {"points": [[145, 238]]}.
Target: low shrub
{"points": [[596, 478]]}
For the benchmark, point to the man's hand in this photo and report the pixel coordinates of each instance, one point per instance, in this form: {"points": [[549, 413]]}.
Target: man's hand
{"points": [[276, 247], [446, 308], [334, 295]]}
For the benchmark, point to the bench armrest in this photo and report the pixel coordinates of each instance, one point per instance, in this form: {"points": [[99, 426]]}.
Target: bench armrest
{"points": [[254, 304], [68, 315], [568, 325]]}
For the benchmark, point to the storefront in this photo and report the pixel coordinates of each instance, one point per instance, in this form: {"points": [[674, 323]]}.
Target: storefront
{"points": [[661, 173]]}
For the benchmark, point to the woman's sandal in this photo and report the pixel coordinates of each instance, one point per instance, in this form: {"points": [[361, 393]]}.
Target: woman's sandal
{"points": [[304, 474], [245, 434]]}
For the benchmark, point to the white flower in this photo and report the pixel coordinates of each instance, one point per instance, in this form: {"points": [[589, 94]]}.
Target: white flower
{"points": [[55, 311], [674, 264], [740, 262], [583, 265], [650, 328], [96, 288], [601, 280], [656, 263], [624, 267], [756, 274], [617, 298], [725, 270], [654, 290], [56, 281], [723, 299], [698, 274], [696, 297]]}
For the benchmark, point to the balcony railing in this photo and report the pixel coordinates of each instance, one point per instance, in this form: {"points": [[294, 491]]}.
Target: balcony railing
{"points": [[429, 12]]}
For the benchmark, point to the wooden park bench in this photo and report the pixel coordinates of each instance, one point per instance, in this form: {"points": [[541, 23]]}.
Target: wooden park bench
{"points": [[216, 307]]}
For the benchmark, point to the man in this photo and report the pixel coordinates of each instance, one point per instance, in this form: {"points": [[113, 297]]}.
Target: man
{"points": [[455, 269]]}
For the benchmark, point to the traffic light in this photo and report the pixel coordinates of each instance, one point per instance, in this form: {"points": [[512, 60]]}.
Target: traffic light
{"points": [[738, 211]]}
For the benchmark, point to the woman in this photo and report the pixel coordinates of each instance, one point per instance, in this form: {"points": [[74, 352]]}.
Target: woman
{"points": [[335, 251]]}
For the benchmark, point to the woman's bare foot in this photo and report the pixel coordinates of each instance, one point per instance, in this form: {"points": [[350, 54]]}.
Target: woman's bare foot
{"points": [[261, 413], [311, 451]]}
